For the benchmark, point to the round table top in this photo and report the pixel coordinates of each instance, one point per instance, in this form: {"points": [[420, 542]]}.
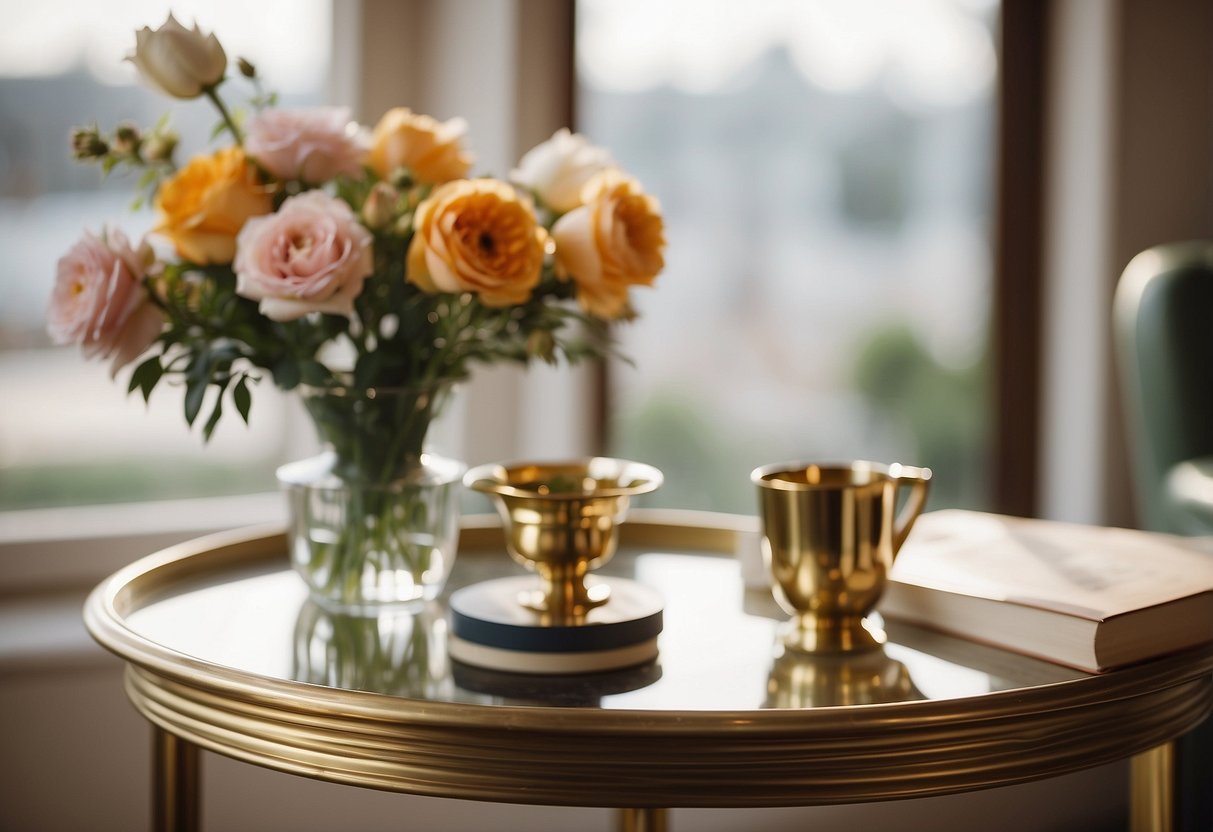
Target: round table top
{"points": [[226, 650]]}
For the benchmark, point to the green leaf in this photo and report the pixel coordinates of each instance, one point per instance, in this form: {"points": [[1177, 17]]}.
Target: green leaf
{"points": [[286, 374], [366, 371], [199, 366], [195, 390], [147, 178], [313, 372], [146, 376], [242, 398], [209, 427], [149, 383]]}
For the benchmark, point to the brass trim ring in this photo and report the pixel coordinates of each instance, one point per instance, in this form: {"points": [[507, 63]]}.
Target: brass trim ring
{"points": [[632, 758]]}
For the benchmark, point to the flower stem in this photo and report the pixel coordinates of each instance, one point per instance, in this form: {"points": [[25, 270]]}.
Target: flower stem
{"points": [[212, 93]]}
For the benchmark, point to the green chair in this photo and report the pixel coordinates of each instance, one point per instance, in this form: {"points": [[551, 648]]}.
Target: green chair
{"points": [[1163, 329]]}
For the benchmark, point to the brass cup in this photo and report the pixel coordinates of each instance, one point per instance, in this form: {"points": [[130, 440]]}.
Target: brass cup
{"points": [[829, 538], [561, 521]]}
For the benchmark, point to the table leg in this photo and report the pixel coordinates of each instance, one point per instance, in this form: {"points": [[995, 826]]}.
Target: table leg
{"points": [[175, 790], [643, 820], [1152, 790]]}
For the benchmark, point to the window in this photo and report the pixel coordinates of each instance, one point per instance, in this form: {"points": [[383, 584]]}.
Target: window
{"points": [[825, 171], [68, 434]]}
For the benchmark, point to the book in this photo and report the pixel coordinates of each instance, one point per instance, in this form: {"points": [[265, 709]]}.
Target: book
{"points": [[1088, 597]]}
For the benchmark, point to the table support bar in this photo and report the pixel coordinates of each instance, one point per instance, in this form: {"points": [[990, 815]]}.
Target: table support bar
{"points": [[1152, 790], [175, 776], [644, 820]]}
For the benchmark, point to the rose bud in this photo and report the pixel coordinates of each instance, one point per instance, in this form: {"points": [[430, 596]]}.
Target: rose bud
{"points": [[380, 207], [160, 145], [541, 344], [180, 62], [126, 140], [87, 144]]}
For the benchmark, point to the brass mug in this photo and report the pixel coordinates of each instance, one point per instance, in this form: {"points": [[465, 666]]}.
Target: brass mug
{"points": [[829, 536]]}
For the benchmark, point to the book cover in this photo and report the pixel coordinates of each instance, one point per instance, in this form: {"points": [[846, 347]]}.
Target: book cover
{"points": [[1085, 596]]}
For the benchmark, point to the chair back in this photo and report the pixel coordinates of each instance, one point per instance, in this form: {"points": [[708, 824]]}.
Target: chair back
{"points": [[1163, 329]]}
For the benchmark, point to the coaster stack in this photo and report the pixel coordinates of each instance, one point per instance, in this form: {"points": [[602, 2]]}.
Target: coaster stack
{"points": [[491, 629]]}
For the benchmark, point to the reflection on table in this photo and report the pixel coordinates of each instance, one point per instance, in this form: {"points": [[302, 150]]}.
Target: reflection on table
{"points": [[800, 680], [403, 653], [399, 653], [717, 651]]}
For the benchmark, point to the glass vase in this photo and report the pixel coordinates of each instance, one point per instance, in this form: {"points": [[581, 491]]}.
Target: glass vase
{"points": [[374, 519]]}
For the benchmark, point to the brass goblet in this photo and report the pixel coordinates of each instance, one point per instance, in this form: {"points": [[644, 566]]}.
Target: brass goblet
{"points": [[561, 520]]}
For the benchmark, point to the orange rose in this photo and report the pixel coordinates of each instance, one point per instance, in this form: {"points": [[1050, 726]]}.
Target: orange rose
{"points": [[204, 206], [477, 235], [430, 149], [614, 240]]}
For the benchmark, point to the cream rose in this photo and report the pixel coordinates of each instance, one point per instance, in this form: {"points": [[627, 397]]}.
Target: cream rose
{"points": [[204, 206], [613, 241], [312, 145], [310, 256], [99, 301], [178, 61], [431, 150], [557, 170], [477, 236]]}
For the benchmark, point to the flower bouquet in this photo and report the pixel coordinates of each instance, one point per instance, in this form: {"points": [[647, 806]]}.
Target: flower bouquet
{"points": [[363, 268]]}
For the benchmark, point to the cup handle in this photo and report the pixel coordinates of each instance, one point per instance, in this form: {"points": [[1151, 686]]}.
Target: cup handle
{"points": [[919, 481]]}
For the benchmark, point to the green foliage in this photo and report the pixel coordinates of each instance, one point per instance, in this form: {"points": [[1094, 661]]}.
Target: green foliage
{"points": [[102, 481], [940, 409], [704, 466]]}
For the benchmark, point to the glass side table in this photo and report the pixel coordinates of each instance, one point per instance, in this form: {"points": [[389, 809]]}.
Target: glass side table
{"points": [[225, 652]]}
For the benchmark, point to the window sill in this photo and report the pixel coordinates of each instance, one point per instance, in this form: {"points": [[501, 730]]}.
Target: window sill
{"points": [[49, 550]]}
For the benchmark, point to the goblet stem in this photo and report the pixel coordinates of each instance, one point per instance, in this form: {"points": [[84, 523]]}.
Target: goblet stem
{"points": [[563, 593]]}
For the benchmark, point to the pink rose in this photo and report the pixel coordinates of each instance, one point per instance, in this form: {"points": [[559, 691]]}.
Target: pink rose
{"points": [[312, 145], [99, 300], [311, 256]]}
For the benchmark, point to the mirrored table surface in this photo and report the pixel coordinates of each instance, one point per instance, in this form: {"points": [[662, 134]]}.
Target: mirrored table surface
{"points": [[226, 651]]}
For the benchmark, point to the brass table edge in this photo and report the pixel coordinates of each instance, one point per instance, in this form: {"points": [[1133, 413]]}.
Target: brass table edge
{"points": [[707, 770], [565, 756], [104, 620]]}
